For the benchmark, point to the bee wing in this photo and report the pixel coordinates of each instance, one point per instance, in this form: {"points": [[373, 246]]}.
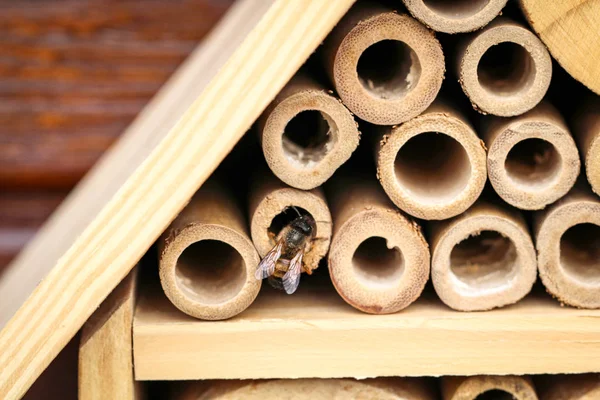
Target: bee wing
{"points": [[266, 267], [291, 279]]}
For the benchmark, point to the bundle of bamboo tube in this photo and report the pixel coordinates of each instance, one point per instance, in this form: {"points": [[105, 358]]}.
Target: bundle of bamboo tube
{"points": [[414, 203]]}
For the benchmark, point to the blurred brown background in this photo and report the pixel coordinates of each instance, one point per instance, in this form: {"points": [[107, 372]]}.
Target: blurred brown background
{"points": [[73, 75]]}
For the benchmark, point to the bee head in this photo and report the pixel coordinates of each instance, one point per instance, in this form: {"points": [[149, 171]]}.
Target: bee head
{"points": [[305, 224]]}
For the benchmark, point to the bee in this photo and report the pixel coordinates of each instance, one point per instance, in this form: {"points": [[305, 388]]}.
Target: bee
{"points": [[283, 264]]}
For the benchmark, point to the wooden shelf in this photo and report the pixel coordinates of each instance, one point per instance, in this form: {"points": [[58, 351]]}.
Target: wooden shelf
{"points": [[315, 334]]}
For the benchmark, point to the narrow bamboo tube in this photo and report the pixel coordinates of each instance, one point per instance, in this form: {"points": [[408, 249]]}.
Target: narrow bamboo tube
{"points": [[379, 259], [569, 387], [207, 260], [586, 128], [568, 245], [306, 134], [433, 166], [532, 159], [455, 16], [483, 258], [386, 67], [488, 387], [309, 389], [271, 203], [504, 69]]}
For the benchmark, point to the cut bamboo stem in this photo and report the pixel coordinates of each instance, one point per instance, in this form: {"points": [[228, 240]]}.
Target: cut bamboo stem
{"points": [[568, 245], [207, 260], [433, 166], [386, 67], [309, 389], [569, 387], [456, 16], [504, 69], [488, 387], [272, 204], [307, 134], [532, 159], [586, 128], [379, 259], [483, 258]]}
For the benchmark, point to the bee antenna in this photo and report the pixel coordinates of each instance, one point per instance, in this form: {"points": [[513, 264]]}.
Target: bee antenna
{"points": [[295, 209]]}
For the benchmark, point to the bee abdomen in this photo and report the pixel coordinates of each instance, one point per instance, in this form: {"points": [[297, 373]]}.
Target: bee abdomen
{"points": [[275, 282]]}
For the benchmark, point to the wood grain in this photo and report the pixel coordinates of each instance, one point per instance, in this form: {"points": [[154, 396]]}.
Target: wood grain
{"points": [[129, 198], [106, 350], [73, 75], [310, 334], [569, 29]]}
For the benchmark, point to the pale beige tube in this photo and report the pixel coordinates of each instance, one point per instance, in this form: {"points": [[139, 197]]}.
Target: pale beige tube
{"points": [[569, 387], [504, 68], [386, 67], [207, 260], [306, 134], [455, 16], [433, 166], [483, 258], [568, 245], [488, 387], [379, 259], [309, 389], [532, 159], [272, 205], [586, 128]]}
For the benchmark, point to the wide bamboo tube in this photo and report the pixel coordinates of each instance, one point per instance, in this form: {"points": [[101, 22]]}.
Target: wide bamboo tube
{"points": [[532, 159], [488, 387], [379, 259], [272, 206], [207, 260], [504, 69], [483, 258], [306, 134], [433, 166], [386, 67], [308, 389], [586, 128], [455, 16], [569, 387], [568, 245]]}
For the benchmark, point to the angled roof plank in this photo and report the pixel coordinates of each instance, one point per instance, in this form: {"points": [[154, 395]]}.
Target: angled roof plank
{"points": [[127, 200]]}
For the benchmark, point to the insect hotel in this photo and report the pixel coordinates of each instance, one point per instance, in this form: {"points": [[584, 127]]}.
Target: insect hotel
{"points": [[338, 199]]}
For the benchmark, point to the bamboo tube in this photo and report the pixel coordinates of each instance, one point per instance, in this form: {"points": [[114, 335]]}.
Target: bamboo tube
{"points": [[207, 260], [504, 69], [586, 128], [569, 387], [308, 389], [532, 159], [386, 67], [307, 134], [433, 166], [568, 245], [483, 258], [271, 208], [456, 16], [488, 387], [379, 259]]}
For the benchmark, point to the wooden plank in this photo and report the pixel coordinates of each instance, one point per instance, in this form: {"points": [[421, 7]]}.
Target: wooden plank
{"points": [[105, 350], [314, 333], [129, 198]]}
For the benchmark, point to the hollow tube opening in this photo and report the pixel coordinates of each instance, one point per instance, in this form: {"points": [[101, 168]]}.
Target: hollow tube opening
{"points": [[484, 261], [433, 167], [284, 218], [580, 252], [495, 394], [388, 69], [374, 262], [457, 9], [533, 162], [210, 272], [506, 69], [308, 137]]}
